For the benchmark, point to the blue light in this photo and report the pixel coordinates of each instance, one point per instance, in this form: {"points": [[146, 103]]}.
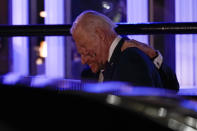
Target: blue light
{"points": [[41, 81], [11, 78], [20, 44], [189, 105], [137, 12], [186, 56], [104, 87], [55, 45], [126, 89]]}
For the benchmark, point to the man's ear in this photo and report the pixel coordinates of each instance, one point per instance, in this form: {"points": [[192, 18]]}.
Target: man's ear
{"points": [[100, 33]]}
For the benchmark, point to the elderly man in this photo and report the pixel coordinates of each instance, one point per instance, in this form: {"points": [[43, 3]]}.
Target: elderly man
{"points": [[117, 58]]}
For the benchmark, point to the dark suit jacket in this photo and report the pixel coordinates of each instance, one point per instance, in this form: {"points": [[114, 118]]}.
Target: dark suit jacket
{"points": [[134, 66]]}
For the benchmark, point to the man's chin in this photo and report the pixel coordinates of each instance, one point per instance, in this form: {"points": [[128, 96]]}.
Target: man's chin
{"points": [[94, 70]]}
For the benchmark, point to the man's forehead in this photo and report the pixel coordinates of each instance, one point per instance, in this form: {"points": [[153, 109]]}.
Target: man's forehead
{"points": [[78, 35]]}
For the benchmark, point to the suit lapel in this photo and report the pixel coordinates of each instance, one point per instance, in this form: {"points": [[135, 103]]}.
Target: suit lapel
{"points": [[109, 68]]}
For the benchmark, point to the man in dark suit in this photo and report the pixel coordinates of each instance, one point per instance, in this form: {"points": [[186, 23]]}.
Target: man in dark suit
{"points": [[116, 58]]}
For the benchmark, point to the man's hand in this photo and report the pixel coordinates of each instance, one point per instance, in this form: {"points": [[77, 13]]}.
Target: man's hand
{"points": [[152, 53]]}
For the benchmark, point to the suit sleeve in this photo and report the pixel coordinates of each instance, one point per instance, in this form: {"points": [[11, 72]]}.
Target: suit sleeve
{"points": [[135, 67], [168, 77]]}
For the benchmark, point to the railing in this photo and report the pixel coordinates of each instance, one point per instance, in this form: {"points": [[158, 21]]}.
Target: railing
{"points": [[122, 28]]}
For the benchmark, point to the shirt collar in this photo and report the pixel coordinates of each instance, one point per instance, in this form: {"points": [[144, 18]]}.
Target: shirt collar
{"points": [[113, 46]]}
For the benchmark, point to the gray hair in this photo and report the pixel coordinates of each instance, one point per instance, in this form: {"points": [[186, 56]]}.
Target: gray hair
{"points": [[90, 19]]}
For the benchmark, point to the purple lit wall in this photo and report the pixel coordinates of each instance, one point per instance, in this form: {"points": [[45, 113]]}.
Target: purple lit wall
{"points": [[55, 45], [137, 12], [20, 44], [186, 45]]}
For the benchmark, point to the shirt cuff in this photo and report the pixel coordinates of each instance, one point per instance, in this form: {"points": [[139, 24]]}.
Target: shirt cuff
{"points": [[158, 60]]}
